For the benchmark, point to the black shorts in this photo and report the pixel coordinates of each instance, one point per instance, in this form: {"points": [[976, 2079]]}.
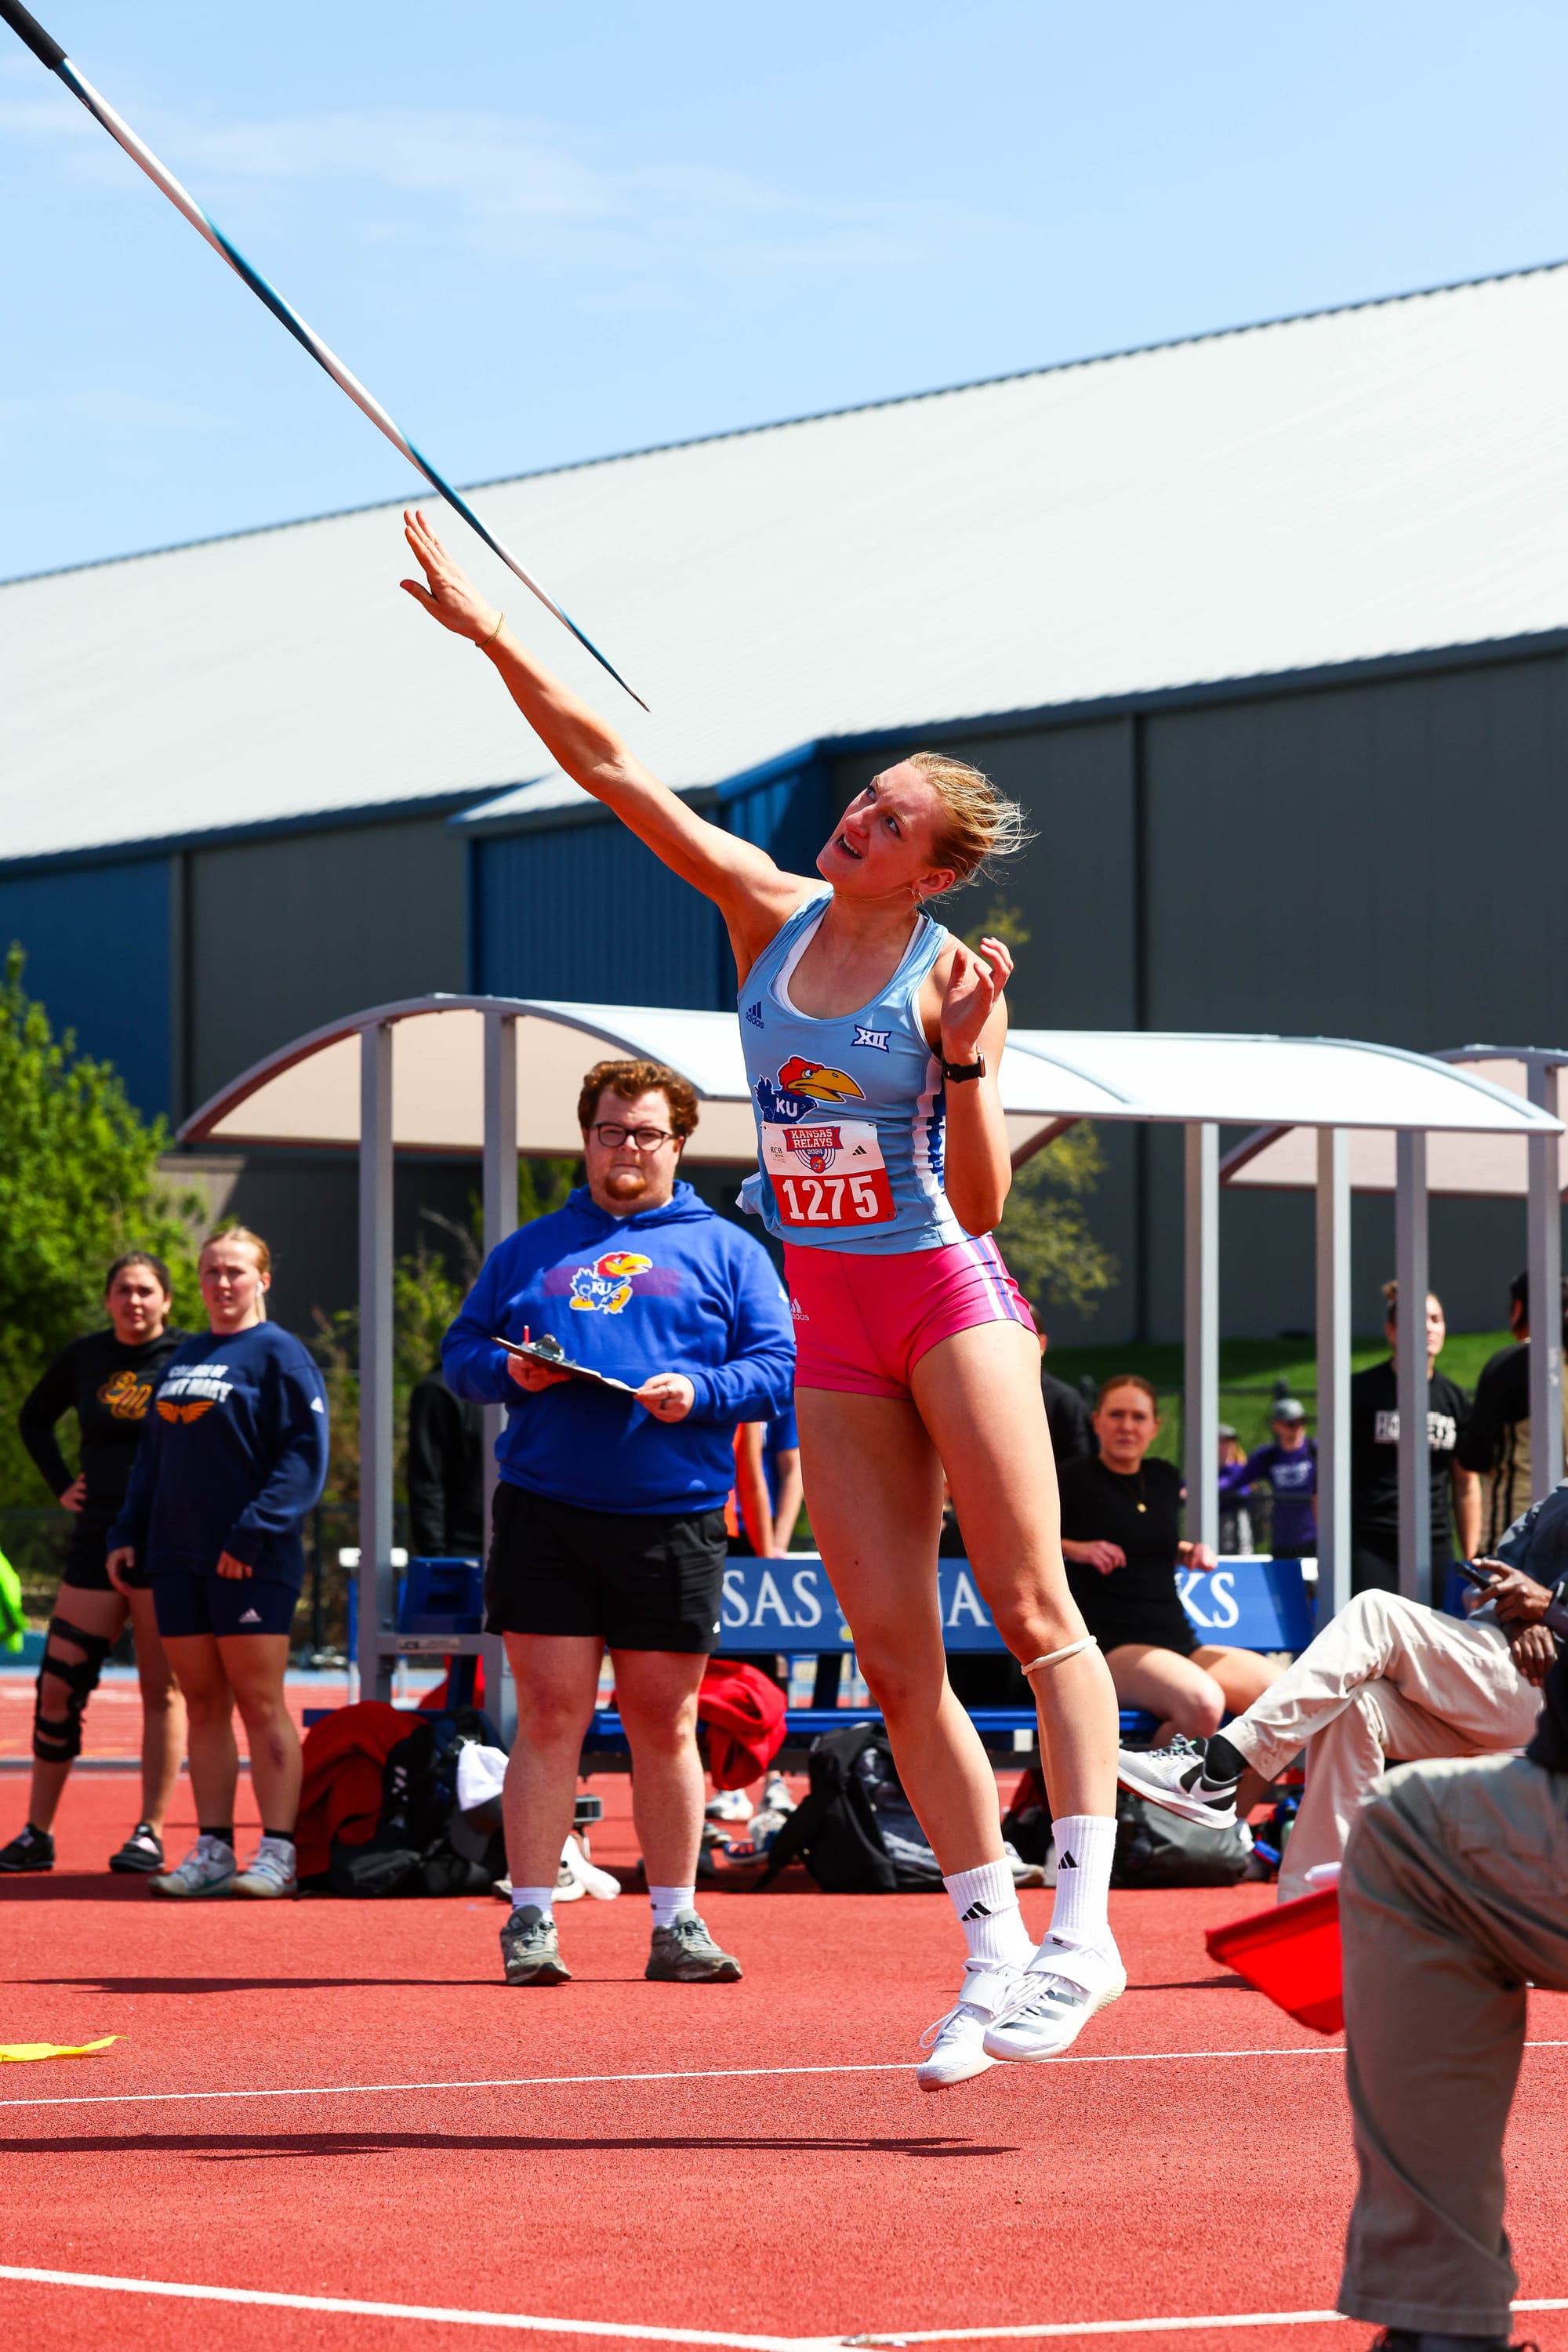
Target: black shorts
{"points": [[85, 1568], [634, 1582], [1162, 1628], [210, 1603]]}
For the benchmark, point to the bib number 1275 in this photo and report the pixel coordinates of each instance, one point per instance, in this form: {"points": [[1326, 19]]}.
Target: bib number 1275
{"points": [[831, 1174]]}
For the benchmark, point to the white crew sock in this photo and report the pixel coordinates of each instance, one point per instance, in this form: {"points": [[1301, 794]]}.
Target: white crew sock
{"points": [[668, 1900], [986, 1902], [1086, 1844], [541, 1897]]}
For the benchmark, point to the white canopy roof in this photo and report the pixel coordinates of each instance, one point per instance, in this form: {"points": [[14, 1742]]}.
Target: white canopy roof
{"points": [[308, 1093], [1473, 1164]]}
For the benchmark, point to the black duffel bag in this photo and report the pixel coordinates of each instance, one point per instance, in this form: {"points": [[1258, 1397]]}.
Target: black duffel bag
{"points": [[1156, 1848]]}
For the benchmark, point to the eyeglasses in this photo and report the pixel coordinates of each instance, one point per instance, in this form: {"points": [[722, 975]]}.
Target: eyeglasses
{"points": [[645, 1138]]}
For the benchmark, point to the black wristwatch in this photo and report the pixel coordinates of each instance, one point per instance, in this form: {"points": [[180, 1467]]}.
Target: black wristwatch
{"points": [[956, 1072]]}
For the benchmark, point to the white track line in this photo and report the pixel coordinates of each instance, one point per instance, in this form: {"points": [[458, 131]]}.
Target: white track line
{"points": [[1142, 2326], [532, 2324], [695, 2074], [429, 2312]]}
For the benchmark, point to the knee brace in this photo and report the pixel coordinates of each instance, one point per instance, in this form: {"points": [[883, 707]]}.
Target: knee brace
{"points": [[57, 1742]]}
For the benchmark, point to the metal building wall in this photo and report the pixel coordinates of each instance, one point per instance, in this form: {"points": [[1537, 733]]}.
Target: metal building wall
{"points": [[286, 932], [582, 910], [97, 944]]}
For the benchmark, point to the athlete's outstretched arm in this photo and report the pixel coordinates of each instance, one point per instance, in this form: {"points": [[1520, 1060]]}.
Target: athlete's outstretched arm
{"points": [[743, 882]]}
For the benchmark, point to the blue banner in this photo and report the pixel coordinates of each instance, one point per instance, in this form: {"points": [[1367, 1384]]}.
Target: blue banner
{"points": [[789, 1604]]}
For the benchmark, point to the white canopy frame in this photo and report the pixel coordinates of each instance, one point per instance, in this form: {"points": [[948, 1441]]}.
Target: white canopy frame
{"points": [[1470, 1164], [500, 1075]]}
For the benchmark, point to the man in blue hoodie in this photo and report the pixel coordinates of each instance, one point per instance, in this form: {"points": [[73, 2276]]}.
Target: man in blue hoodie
{"points": [[609, 1516]]}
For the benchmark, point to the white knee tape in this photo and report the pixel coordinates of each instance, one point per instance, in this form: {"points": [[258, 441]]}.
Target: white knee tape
{"points": [[1054, 1657]]}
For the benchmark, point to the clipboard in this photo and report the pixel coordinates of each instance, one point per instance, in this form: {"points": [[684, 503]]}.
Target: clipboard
{"points": [[549, 1351]]}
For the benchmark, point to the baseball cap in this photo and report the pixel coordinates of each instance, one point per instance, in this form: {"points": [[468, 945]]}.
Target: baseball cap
{"points": [[1288, 1409]]}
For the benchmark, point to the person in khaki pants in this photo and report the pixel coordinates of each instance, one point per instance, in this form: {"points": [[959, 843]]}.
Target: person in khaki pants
{"points": [[1454, 1893], [1386, 1680]]}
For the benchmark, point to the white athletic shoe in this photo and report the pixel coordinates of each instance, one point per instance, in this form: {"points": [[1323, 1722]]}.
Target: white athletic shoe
{"points": [[1049, 2010], [1173, 1777], [272, 1873], [954, 2045], [209, 1868]]}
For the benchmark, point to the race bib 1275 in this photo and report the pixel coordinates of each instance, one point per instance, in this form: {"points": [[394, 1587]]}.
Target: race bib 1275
{"points": [[828, 1172]]}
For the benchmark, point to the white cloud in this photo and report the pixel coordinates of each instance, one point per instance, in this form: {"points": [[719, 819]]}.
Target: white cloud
{"points": [[511, 187]]}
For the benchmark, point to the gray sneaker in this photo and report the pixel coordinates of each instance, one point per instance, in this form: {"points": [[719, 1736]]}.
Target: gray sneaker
{"points": [[685, 1953], [209, 1868], [532, 1950]]}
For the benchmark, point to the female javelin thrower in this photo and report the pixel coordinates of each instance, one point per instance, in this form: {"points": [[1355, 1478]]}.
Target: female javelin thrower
{"points": [[872, 1040]]}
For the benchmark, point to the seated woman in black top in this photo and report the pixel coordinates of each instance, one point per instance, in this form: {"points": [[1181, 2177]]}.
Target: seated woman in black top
{"points": [[1122, 1535], [107, 1379]]}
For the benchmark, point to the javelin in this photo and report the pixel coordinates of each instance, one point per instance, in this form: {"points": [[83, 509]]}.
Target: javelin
{"points": [[48, 52]]}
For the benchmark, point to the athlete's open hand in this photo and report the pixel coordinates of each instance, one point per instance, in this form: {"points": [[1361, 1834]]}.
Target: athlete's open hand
{"points": [[449, 596], [669, 1396], [975, 988]]}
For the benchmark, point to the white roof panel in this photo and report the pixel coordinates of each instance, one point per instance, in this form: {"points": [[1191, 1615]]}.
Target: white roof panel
{"points": [[308, 1093], [1465, 1165], [1358, 483], [1310, 1081]]}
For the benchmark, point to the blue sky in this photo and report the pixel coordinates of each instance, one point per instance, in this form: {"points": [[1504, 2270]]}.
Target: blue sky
{"points": [[546, 234]]}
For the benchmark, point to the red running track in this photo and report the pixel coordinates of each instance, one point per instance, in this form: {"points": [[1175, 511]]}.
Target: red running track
{"points": [[786, 2205]]}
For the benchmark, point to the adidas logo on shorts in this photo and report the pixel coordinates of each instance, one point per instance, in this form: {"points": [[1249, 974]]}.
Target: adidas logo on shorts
{"points": [[251, 1617], [798, 1311]]}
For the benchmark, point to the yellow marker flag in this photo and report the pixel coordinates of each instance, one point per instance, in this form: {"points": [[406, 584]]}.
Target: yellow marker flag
{"points": [[25, 2050]]}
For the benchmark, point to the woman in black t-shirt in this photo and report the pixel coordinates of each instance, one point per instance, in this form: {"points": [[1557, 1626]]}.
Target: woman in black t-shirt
{"points": [[107, 1379], [1122, 1535]]}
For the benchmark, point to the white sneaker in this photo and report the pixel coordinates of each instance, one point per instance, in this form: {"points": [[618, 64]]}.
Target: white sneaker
{"points": [[954, 2045], [1173, 1777], [271, 1872], [209, 1868], [729, 1805], [1049, 2010]]}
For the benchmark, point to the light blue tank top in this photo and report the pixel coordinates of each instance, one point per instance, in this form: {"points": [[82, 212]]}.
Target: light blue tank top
{"points": [[851, 1115]]}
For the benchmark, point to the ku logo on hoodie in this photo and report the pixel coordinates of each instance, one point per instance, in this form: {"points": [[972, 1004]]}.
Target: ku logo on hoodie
{"points": [[607, 1285]]}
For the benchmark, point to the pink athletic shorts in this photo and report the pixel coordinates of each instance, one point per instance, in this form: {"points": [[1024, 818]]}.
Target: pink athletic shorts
{"points": [[862, 1323]]}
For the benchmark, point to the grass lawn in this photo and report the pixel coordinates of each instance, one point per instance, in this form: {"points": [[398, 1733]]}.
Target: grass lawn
{"points": [[1248, 1372]]}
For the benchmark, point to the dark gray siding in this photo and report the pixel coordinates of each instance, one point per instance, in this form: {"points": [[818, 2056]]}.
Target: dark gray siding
{"points": [[1075, 885], [1383, 860], [585, 912], [286, 933], [97, 943]]}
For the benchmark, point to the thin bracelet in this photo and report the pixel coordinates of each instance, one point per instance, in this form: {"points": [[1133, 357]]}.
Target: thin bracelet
{"points": [[482, 644]]}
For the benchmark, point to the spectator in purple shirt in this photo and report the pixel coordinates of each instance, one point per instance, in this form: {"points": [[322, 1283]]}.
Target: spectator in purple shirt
{"points": [[1289, 1463]]}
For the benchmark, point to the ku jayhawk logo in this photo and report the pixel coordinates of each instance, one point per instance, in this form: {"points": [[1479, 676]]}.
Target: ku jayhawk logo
{"points": [[803, 1087], [607, 1285]]}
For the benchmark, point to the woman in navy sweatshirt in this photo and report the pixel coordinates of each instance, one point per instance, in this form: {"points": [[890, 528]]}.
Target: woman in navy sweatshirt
{"points": [[233, 1455]]}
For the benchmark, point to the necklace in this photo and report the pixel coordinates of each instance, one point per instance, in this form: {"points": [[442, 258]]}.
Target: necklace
{"points": [[1126, 1477]]}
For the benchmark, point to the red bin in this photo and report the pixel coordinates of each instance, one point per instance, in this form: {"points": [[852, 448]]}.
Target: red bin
{"points": [[1292, 1954]]}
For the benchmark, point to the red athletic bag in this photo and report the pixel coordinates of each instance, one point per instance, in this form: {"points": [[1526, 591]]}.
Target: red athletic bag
{"points": [[744, 1712]]}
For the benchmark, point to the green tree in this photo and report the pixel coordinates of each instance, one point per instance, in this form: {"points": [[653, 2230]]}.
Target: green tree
{"points": [[79, 1183], [1044, 1233]]}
